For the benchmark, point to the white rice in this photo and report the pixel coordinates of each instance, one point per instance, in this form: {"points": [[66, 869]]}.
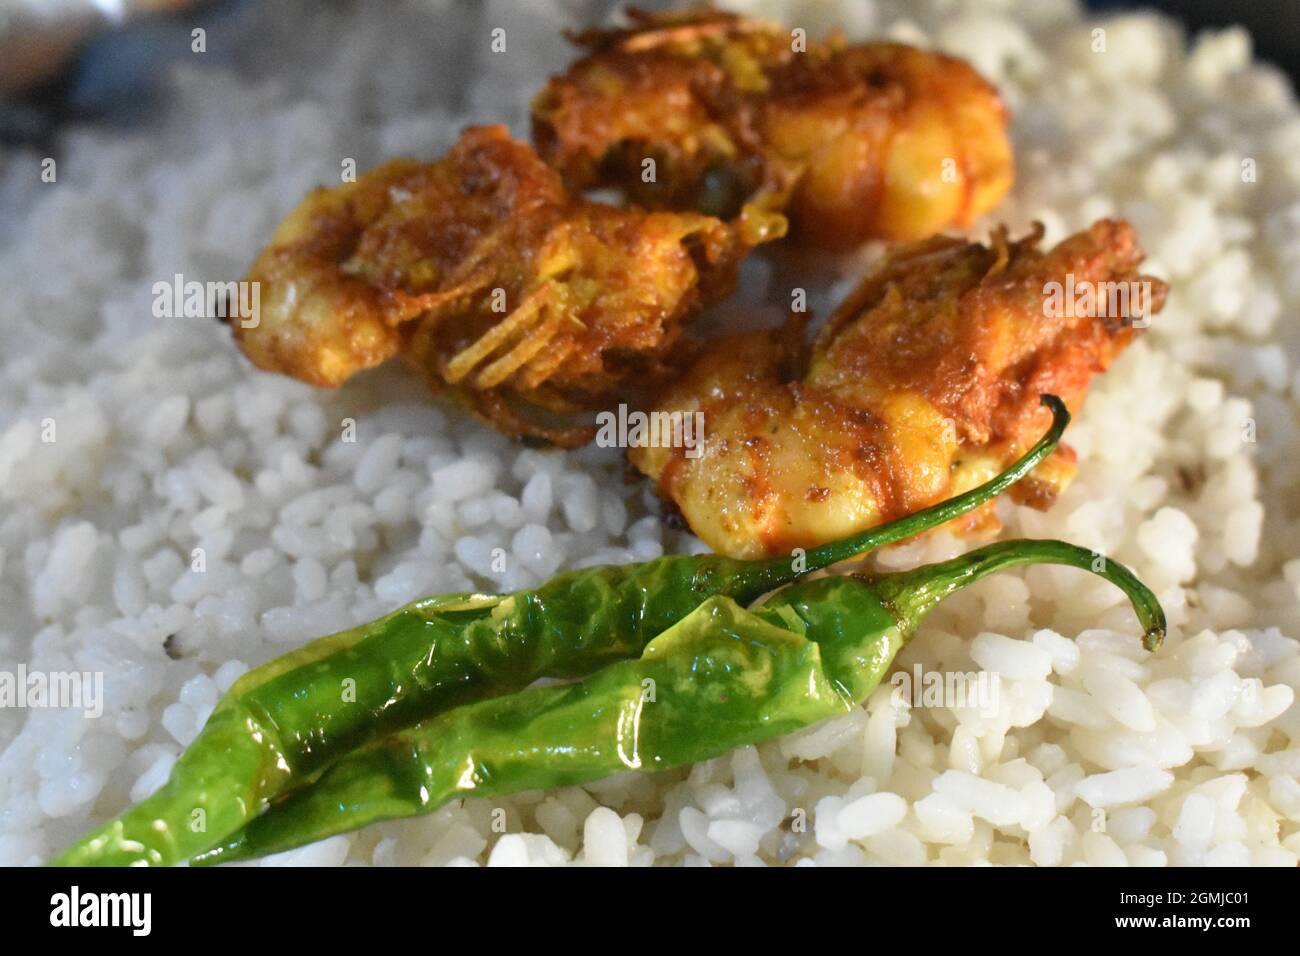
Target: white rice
{"points": [[168, 442]]}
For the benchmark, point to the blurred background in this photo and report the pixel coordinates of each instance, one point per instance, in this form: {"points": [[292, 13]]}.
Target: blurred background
{"points": [[100, 60]]}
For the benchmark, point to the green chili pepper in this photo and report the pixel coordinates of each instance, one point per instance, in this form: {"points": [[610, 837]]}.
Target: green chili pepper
{"points": [[720, 678], [286, 721]]}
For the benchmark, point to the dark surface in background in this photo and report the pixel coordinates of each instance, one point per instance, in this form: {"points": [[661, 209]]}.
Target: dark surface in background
{"points": [[114, 79], [1274, 25]]}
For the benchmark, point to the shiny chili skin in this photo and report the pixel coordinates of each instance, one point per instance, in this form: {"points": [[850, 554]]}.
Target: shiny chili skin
{"points": [[720, 678]]}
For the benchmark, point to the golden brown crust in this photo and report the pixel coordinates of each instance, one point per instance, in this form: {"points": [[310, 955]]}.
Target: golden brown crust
{"points": [[967, 326], [671, 89]]}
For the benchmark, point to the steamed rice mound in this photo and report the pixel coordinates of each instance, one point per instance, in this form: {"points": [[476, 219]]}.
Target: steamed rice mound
{"points": [[168, 441]]}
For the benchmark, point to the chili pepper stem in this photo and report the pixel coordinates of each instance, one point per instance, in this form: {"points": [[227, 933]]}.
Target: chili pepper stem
{"points": [[914, 593], [921, 521]]}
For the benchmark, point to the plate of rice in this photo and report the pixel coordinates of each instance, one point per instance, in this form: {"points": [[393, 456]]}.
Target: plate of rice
{"points": [[130, 443]]}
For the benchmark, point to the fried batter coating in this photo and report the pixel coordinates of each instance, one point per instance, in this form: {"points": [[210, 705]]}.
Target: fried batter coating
{"points": [[879, 140], [924, 383], [485, 272]]}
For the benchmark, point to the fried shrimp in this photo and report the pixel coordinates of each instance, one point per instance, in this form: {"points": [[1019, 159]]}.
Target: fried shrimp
{"points": [[484, 272], [923, 383], [709, 110]]}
